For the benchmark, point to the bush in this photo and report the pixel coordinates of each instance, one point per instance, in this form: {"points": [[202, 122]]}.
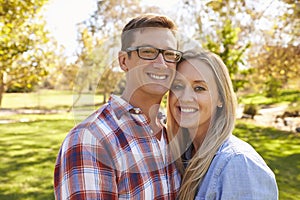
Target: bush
{"points": [[250, 109]]}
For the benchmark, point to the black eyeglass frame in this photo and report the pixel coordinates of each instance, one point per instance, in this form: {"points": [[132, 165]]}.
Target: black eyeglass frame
{"points": [[162, 51]]}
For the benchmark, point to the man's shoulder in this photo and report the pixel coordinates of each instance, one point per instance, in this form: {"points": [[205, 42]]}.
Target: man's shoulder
{"points": [[98, 120], [94, 117]]}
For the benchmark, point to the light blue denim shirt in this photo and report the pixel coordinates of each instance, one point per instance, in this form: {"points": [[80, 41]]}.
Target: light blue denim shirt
{"points": [[238, 172]]}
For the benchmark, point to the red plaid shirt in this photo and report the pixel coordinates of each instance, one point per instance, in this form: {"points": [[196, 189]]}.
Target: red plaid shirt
{"points": [[114, 155]]}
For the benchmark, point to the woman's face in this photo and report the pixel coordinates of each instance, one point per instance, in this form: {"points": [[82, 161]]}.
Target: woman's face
{"points": [[194, 95]]}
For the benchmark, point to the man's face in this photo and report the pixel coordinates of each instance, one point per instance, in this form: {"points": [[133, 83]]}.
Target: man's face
{"points": [[150, 76]]}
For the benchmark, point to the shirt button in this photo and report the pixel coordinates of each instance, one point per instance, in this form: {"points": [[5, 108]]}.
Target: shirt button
{"points": [[135, 111]]}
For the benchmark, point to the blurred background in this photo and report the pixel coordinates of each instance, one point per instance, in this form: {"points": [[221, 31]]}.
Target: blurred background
{"points": [[58, 64]]}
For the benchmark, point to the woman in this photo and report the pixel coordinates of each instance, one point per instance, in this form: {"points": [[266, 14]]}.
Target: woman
{"points": [[201, 116]]}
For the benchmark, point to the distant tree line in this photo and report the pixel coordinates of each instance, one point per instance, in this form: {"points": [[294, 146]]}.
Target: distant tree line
{"points": [[259, 44]]}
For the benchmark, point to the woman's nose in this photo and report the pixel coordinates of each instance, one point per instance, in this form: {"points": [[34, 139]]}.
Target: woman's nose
{"points": [[188, 94]]}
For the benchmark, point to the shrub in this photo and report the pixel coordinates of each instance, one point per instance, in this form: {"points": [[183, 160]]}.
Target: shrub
{"points": [[250, 109]]}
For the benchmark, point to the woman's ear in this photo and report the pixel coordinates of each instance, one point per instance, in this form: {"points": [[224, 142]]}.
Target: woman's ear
{"points": [[220, 104], [122, 60]]}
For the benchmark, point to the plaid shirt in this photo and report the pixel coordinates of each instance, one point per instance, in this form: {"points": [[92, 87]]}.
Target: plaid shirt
{"points": [[114, 155]]}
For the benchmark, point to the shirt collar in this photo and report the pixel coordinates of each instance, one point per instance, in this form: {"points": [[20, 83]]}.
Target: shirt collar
{"points": [[119, 105]]}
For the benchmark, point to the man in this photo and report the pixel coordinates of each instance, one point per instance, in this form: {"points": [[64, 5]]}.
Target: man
{"points": [[119, 152]]}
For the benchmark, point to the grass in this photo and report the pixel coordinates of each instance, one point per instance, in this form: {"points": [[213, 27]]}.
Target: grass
{"points": [[28, 152], [46, 99], [284, 97], [29, 149], [281, 151]]}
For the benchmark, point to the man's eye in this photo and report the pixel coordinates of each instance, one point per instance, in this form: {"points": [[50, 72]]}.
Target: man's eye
{"points": [[177, 87], [148, 51], [170, 54]]}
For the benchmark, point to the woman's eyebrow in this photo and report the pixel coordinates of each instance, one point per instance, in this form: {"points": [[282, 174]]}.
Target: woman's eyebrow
{"points": [[200, 81]]}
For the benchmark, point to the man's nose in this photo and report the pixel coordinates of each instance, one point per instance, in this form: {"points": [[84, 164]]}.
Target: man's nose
{"points": [[160, 61]]}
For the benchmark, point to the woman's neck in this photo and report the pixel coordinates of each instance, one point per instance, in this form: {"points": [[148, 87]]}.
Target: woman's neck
{"points": [[198, 135]]}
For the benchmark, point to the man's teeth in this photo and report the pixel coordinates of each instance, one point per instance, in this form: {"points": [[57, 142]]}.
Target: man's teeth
{"points": [[154, 76], [188, 110]]}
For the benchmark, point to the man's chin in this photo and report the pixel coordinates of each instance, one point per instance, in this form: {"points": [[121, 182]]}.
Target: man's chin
{"points": [[156, 89]]}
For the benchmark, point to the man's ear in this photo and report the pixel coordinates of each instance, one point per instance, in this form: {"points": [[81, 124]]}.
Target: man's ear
{"points": [[122, 60]]}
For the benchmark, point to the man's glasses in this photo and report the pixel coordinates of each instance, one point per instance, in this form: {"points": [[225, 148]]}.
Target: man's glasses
{"points": [[151, 53]]}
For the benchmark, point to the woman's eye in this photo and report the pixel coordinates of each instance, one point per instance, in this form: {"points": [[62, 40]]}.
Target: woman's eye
{"points": [[199, 89]]}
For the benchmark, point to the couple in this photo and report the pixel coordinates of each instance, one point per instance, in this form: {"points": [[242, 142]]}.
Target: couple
{"points": [[125, 151]]}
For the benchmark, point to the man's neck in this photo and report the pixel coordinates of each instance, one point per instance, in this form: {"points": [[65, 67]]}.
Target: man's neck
{"points": [[149, 104]]}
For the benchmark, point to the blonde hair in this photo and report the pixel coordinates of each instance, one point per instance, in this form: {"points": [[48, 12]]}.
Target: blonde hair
{"points": [[221, 126]]}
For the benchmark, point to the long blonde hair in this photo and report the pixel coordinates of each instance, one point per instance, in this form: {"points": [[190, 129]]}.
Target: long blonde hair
{"points": [[221, 126]]}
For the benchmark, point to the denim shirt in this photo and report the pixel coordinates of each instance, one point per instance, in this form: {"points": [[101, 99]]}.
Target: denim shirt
{"points": [[238, 172]]}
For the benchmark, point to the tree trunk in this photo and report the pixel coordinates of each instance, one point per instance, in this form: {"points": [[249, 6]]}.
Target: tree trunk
{"points": [[1, 87]]}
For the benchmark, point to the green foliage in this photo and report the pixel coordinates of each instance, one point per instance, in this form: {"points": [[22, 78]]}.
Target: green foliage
{"points": [[272, 87], [229, 27], [111, 15], [92, 65], [22, 37], [276, 67], [232, 54], [100, 41], [284, 96], [250, 109], [111, 77]]}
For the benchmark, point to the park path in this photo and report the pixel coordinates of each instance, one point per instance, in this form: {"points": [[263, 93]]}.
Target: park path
{"points": [[267, 117], [9, 112]]}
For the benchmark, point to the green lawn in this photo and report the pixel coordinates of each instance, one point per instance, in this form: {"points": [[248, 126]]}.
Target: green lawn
{"points": [[28, 149], [284, 97], [47, 99], [281, 151], [28, 152]]}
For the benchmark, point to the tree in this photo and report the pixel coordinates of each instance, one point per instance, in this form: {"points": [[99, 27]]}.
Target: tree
{"points": [[61, 74], [228, 27], [109, 80], [231, 53], [276, 67], [22, 37], [99, 43], [215, 28], [276, 59]]}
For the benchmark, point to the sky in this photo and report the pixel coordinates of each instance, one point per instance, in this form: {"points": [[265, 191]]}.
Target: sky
{"points": [[63, 15]]}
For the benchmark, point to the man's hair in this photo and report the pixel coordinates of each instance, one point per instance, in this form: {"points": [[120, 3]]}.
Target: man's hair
{"points": [[144, 21]]}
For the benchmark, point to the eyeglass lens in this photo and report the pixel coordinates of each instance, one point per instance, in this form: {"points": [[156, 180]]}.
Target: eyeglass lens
{"points": [[152, 53]]}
